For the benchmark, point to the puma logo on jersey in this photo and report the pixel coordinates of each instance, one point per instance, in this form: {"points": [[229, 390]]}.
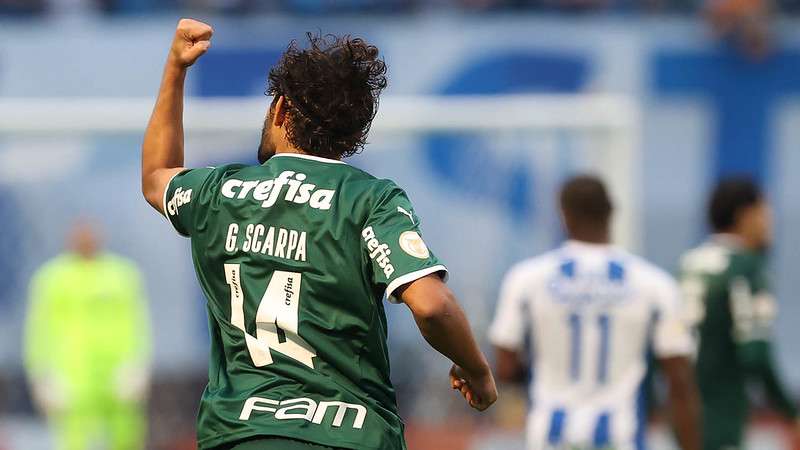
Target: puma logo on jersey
{"points": [[378, 252], [269, 191], [402, 210], [179, 198], [306, 409]]}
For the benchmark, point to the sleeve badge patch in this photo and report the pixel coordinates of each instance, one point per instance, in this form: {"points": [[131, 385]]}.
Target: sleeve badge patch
{"points": [[412, 243]]}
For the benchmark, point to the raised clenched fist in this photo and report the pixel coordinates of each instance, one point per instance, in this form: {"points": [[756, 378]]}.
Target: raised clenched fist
{"points": [[192, 39]]}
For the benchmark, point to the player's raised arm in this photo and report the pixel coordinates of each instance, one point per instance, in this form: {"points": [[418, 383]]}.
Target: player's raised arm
{"points": [[162, 149], [444, 325]]}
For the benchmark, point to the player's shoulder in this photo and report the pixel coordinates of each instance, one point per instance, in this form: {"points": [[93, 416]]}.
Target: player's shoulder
{"points": [[747, 258], [229, 170], [199, 178], [120, 263], [54, 266], [747, 264], [369, 183], [690, 259], [358, 174], [372, 191], [710, 256], [645, 272], [57, 268], [536, 267]]}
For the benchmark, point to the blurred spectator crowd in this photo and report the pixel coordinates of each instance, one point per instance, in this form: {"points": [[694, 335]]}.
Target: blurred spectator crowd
{"points": [[136, 7]]}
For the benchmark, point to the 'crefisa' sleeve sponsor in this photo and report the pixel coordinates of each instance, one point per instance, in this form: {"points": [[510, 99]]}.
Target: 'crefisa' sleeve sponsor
{"points": [[181, 198], [393, 245]]}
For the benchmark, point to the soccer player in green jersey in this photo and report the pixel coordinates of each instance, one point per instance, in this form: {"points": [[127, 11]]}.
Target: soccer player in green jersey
{"points": [[296, 256], [725, 284]]}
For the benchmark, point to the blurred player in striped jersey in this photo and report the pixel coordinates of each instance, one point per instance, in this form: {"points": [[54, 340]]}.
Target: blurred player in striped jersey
{"points": [[593, 312], [725, 284]]}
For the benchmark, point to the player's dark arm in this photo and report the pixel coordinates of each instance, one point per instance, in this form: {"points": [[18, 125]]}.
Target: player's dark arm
{"points": [[443, 324], [162, 149], [508, 365], [684, 403], [755, 357]]}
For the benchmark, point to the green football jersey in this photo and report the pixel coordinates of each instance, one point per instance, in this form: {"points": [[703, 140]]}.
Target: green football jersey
{"points": [[731, 307], [295, 258]]}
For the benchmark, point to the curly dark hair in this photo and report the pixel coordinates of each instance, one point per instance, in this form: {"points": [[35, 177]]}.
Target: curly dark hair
{"points": [[331, 90]]}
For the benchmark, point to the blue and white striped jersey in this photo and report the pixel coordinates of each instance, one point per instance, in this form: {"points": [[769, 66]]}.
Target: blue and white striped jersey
{"points": [[591, 312]]}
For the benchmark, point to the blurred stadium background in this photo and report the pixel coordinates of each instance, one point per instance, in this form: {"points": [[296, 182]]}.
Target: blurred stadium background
{"points": [[491, 103]]}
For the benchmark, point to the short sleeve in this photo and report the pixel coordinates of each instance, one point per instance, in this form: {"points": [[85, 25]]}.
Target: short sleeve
{"points": [[181, 198], [392, 244], [671, 335], [508, 327]]}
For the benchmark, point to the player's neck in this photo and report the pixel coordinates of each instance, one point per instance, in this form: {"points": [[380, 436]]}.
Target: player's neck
{"points": [[84, 255], [292, 150], [591, 241], [734, 239], [591, 236]]}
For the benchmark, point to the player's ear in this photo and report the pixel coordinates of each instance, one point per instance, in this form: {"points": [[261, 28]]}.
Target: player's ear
{"points": [[280, 112]]}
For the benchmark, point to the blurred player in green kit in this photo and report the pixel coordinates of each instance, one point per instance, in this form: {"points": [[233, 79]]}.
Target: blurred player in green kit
{"points": [[725, 284], [87, 346]]}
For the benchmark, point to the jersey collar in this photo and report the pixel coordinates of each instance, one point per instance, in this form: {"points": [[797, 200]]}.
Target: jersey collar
{"points": [[590, 246], [727, 240], [311, 157]]}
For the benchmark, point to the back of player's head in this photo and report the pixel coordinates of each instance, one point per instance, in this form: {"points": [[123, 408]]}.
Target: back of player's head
{"points": [[585, 202], [331, 89], [730, 197]]}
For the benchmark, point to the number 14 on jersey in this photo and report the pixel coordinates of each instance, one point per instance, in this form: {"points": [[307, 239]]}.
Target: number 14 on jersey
{"points": [[276, 319]]}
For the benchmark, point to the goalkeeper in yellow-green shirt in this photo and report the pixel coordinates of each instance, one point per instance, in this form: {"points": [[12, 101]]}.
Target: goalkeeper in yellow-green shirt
{"points": [[87, 346]]}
